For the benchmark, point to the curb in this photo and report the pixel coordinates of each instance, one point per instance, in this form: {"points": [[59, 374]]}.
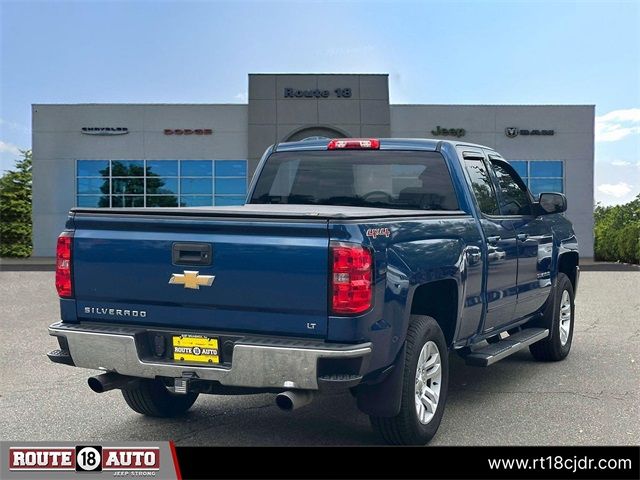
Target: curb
{"points": [[36, 264]]}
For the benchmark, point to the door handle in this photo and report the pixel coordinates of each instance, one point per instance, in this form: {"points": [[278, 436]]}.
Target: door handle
{"points": [[474, 255], [522, 236], [493, 240]]}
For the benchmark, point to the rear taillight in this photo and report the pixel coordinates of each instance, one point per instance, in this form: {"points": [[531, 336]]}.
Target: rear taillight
{"points": [[354, 144], [63, 265], [351, 278]]}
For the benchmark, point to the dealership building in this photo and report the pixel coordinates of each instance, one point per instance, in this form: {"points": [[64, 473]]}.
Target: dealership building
{"points": [[150, 155]]}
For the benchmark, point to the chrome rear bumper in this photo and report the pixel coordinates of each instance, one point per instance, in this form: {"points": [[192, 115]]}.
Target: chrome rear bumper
{"points": [[257, 361]]}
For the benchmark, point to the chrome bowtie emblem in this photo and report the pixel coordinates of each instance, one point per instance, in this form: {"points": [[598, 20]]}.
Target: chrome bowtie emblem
{"points": [[191, 279]]}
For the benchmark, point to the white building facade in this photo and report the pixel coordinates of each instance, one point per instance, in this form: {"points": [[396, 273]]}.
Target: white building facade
{"points": [[149, 155]]}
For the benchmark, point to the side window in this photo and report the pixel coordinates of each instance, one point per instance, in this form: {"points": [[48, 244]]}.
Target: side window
{"points": [[513, 198], [482, 187]]}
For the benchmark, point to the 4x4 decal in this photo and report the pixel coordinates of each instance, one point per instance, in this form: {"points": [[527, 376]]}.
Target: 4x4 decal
{"points": [[378, 232]]}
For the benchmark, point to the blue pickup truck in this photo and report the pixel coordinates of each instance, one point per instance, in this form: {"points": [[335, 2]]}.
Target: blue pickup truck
{"points": [[356, 264]]}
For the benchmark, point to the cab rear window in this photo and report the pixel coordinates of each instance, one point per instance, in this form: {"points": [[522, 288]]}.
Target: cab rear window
{"points": [[382, 179]]}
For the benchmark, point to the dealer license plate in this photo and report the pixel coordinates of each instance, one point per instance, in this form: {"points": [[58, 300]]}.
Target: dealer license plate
{"points": [[195, 348]]}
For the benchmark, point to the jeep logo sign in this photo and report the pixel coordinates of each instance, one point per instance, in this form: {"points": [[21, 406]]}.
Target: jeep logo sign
{"points": [[513, 132], [448, 132]]}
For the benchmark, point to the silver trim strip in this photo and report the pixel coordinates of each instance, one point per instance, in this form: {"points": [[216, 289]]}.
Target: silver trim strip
{"points": [[254, 365]]}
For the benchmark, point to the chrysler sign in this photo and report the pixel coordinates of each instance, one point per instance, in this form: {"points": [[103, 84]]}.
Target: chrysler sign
{"points": [[104, 130]]}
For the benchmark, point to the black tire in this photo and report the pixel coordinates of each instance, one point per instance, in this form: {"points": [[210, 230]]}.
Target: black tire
{"points": [[551, 348], [151, 398], [405, 428]]}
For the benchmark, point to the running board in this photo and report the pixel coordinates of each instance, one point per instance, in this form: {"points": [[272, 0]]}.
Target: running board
{"points": [[493, 353]]}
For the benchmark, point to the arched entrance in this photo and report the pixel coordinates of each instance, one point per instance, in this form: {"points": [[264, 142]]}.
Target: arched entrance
{"points": [[315, 131]]}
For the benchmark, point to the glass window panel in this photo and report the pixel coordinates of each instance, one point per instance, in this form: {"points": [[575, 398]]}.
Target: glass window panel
{"points": [[93, 168], [225, 201], [520, 167], [398, 184], [196, 168], [92, 201], [93, 185], [231, 186], [196, 201], [162, 201], [539, 185], [283, 179], [353, 178], [127, 185], [513, 198], [127, 168], [411, 171], [163, 168], [127, 201], [545, 169], [231, 168], [482, 187], [161, 185], [195, 185]]}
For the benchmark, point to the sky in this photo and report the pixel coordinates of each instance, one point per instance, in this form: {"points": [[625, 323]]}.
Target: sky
{"points": [[480, 52]]}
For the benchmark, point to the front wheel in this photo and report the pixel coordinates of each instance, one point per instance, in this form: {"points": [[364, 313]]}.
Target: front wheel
{"points": [[424, 387]]}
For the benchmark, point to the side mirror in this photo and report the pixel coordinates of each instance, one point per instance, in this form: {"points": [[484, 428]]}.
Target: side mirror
{"points": [[552, 203]]}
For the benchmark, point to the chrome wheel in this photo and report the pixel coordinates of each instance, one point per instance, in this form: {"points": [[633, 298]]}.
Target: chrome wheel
{"points": [[564, 324], [428, 382]]}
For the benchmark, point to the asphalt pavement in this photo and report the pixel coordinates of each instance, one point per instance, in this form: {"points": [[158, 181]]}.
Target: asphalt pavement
{"points": [[591, 398]]}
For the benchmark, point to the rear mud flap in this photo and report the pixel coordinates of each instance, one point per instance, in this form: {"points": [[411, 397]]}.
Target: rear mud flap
{"points": [[383, 399]]}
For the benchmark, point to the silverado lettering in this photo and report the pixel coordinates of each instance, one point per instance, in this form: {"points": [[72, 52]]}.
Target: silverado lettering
{"points": [[116, 312]]}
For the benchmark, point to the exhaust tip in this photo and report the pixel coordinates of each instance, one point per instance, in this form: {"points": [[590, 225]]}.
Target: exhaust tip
{"points": [[291, 400], [109, 381], [95, 384], [284, 402]]}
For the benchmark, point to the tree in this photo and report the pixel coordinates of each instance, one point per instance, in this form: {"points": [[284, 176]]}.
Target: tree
{"points": [[617, 232], [128, 188], [15, 209]]}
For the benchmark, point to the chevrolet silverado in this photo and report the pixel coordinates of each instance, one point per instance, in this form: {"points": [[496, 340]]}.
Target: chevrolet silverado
{"points": [[355, 264]]}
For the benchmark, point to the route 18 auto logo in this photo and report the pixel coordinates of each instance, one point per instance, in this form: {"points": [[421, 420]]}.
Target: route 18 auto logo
{"points": [[87, 458]]}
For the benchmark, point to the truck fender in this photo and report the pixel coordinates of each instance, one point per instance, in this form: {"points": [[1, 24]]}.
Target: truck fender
{"points": [[383, 399]]}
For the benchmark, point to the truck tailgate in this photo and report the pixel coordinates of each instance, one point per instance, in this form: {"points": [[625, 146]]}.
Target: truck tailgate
{"points": [[270, 275]]}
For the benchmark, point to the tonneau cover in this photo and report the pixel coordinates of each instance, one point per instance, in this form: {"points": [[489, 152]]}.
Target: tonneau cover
{"points": [[275, 211]]}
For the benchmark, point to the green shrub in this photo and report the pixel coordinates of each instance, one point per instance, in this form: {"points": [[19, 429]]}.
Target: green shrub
{"points": [[15, 209], [628, 244], [617, 232]]}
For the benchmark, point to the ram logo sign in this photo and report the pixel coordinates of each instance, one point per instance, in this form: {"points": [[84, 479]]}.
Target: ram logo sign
{"points": [[511, 132]]}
